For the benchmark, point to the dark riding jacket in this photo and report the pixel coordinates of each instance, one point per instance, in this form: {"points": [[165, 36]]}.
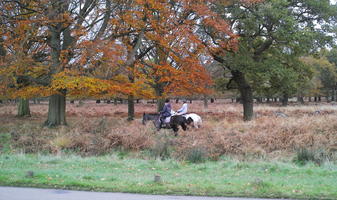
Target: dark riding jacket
{"points": [[166, 112]]}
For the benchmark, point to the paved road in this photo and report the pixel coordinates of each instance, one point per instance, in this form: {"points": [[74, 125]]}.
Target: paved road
{"points": [[13, 193]]}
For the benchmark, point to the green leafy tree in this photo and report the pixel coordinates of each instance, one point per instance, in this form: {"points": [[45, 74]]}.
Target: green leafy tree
{"points": [[272, 36], [325, 76]]}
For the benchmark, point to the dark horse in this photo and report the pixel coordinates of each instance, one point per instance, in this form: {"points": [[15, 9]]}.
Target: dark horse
{"points": [[174, 123], [150, 117]]}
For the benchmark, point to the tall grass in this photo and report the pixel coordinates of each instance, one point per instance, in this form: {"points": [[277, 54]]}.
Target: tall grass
{"points": [[97, 129]]}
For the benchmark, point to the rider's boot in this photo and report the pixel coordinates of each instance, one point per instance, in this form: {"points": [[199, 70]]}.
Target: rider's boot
{"points": [[161, 123]]}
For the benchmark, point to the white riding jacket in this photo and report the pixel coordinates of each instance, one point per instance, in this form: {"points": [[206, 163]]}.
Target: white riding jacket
{"points": [[183, 109]]}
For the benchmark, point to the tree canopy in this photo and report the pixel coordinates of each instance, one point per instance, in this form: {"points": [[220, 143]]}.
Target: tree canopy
{"points": [[273, 35], [156, 49]]}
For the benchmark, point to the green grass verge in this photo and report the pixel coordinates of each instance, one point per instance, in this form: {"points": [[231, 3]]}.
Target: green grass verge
{"points": [[227, 177]]}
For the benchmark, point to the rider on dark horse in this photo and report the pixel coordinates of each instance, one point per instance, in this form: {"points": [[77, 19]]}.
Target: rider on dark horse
{"points": [[166, 112]]}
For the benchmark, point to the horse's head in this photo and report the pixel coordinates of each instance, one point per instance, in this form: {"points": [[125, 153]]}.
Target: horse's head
{"points": [[189, 120]]}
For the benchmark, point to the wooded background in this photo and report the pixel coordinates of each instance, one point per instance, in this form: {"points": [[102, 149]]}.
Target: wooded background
{"points": [[147, 49]]}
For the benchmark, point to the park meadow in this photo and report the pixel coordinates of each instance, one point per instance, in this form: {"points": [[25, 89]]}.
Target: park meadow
{"points": [[77, 77], [287, 152]]}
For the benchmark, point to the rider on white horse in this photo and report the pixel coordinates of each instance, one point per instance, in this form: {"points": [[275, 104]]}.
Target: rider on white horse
{"points": [[191, 117], [183, 109]]}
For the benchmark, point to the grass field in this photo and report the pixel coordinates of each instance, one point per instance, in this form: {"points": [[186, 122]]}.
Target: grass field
{"points": [[289, 155], [226, 177]]}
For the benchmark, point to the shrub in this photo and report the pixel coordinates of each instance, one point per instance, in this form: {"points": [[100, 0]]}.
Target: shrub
{"points": [[5, 139], [196, 155], [260, 184], [105, 138], [305, 155], [31, 138], [60, 143], [122, 154], [161, 147], [101, 127]]}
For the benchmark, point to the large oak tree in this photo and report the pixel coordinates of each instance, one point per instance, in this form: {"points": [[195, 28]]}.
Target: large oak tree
{"points": [[272, 36]]}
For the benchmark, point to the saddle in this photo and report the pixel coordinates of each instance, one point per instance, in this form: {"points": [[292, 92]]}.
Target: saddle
{"points": [[165, 123], [167, 120]]}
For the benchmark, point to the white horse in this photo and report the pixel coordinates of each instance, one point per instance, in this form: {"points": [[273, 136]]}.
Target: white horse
{"points": [[196, 119]]}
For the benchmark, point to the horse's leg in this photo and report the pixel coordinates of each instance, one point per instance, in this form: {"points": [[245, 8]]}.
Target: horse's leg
{"points": [[199, 124], [157, 124], [175, 129], [183, 125]]}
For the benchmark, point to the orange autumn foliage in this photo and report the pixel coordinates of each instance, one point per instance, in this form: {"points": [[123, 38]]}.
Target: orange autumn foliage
{"points": [[172, 47], [145, 42], [21, 41]]}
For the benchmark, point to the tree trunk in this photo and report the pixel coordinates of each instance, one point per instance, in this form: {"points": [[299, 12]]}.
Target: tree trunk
{"points": [[159, 89], [331, 92], [131, 108], [246, 94], [131, 98], [57, 102], [285, 99], [247, 100], [160, 104], [56, 111], [23, 108], [300, 99], [327, 99], [238, 100], [205, 102]]}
